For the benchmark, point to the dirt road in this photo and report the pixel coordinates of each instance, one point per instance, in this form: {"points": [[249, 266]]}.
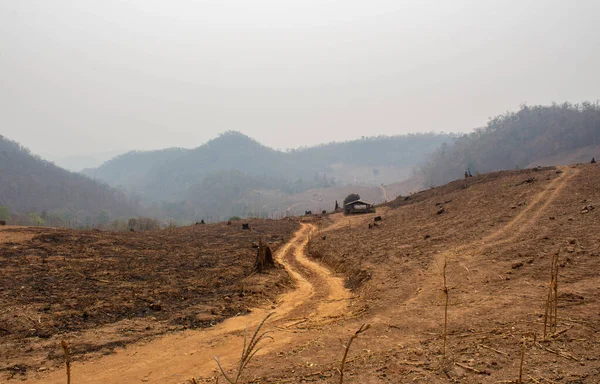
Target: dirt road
{"points": [[522, 222], [384, 193], [318, 297]]}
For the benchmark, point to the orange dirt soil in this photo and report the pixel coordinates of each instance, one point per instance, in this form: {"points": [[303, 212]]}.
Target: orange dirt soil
{"points": [[496, 232]]}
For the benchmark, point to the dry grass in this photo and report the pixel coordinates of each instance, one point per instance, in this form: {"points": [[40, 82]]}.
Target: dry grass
{"points": [[446, 297], [524, 341], [248, 351], [550, 315]]}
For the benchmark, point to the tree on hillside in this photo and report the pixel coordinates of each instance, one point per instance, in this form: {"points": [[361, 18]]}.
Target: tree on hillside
{"points": [[351, 197], [4, 213], [35, 219], [534, 134]]}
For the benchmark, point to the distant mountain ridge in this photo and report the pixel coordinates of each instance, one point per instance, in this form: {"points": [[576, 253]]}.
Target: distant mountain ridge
{"points": [[30, 184], [77, 163], [176, 175], [234, 175], [129, 169]]}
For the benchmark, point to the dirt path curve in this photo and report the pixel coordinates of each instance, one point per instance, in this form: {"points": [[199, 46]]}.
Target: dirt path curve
{"points": [[525, 219], [318, 297], [385, 195], [510, 232]]}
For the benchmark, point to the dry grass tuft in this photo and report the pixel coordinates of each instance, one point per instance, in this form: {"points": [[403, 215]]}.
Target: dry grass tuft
{"points": [[523, 350], [248, 351], [446, 291], [550, 315]]}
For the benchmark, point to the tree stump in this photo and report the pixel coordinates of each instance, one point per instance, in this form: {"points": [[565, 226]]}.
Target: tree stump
{"points": [[264, 258]]}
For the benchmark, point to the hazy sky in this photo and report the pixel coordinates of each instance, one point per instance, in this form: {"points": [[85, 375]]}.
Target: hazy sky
{"points": [[91, 76]]}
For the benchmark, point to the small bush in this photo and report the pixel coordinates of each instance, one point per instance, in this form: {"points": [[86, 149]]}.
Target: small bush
{"points": [[143, 224]]}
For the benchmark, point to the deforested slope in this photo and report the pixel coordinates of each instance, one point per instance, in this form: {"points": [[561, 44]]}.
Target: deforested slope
{"points": [[497, 234]]}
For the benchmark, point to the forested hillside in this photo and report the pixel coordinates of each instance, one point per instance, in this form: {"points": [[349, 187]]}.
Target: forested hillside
{"points": [[34, 191], [534, 135], [131, 168], [234, 174]]}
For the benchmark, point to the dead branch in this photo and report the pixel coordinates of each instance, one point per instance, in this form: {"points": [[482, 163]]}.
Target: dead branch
{"points": [[363, 328], [65, 347], [475, 370]]}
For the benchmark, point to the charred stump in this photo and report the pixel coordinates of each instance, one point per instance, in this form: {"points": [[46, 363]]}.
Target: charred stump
{"points": [[264, 258]]}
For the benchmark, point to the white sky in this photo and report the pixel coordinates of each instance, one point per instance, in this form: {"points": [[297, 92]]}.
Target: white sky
{"points": [[91, 76]]}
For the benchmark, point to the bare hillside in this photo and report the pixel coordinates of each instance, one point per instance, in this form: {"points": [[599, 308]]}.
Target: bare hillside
{"points": [[496, 233]]}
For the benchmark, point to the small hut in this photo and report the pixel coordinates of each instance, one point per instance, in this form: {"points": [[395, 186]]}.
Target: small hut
{"points": [[357, 207]]}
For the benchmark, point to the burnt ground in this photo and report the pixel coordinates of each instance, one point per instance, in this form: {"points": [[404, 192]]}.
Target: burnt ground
{"points": [[497, 233], [103, 290]]}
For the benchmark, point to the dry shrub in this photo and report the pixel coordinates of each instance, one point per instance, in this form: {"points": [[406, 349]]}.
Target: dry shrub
{"points": [[143, 224], [248, 351], [363, 328]]}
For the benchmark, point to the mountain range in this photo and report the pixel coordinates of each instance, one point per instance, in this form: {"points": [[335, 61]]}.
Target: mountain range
{"points": [[235, 175]]}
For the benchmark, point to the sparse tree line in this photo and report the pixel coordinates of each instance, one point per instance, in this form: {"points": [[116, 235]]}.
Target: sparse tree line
{"points": [[515, 140], [62, 218]]}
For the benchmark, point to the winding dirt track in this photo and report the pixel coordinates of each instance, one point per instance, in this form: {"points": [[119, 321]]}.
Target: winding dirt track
{"points": [[384, 193], [525, 220], [317, 298]]}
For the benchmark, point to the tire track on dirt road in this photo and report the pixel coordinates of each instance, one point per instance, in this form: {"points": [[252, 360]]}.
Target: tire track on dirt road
{"points": [[530, 215], [317, 297], [508, 233], [525, 219]]}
